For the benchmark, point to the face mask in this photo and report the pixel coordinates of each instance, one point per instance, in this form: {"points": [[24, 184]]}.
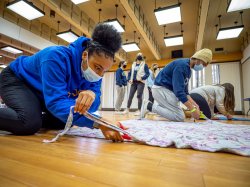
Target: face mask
{"points": [[139, 57], [198, 67], [124, 66], [89, 74]]}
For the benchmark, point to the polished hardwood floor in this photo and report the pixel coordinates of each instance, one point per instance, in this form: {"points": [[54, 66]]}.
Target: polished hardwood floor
{"points": [[78, 161]]}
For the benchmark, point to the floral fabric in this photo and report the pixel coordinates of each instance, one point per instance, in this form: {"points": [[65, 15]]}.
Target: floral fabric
{"points": [[208, 136]]}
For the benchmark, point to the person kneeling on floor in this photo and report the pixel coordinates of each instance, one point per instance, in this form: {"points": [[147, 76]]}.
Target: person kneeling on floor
{"points": [[171, 87]]}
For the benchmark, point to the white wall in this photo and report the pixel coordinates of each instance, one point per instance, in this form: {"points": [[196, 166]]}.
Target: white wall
{"points": [[14, 31], [230, 72], [208, 75], [246, 76]]}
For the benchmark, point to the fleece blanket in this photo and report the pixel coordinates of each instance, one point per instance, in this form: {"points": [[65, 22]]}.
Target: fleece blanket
{"points": [[208, 136]]}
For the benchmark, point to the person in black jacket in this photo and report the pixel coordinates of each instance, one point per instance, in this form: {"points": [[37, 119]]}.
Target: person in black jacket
{"points": [[121, 83]]}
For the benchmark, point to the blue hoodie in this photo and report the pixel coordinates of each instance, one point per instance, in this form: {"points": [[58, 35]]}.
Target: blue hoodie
{"points": [[121, 79], [55, 73], [175, 77]]}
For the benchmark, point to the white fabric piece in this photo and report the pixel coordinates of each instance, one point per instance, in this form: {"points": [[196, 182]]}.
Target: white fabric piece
{"points": [[208, 136]]}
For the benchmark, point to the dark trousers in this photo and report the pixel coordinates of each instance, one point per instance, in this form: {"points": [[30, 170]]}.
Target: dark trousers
{"points": [[150, 95], [202, 104], [24, 113], [139, 87]]}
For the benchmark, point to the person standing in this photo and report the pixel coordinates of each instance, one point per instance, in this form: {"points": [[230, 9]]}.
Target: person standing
{"points": [[151, 80], [121, 83], [137, 76], [171, 87]]}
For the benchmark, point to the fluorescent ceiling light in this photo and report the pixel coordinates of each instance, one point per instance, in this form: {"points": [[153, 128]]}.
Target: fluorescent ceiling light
{"points": [[25, 9], [3, 66], [116, 24], [229, 32], [68, 36], [236, 5], [168, 14], [128, 47], [173, 40], [11, 50], [79, 1]]}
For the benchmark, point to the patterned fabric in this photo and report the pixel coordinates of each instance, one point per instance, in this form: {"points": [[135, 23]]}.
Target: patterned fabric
{"points": [[208, 136]]}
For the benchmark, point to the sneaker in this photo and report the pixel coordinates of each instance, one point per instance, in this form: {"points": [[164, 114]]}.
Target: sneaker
{"points": [[118, 112], [3, 106], [126, 111], [144, 109], [151, 113], [137, 113]]}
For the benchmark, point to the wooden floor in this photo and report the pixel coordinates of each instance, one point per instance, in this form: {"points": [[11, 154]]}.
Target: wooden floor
{"points": [[77, 161]]}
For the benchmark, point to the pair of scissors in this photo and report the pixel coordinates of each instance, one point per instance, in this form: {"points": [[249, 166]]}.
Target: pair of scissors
{"points": [[121, 129], [98, 120]]}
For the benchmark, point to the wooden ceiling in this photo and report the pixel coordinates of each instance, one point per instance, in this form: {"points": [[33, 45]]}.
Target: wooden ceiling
{"points": [[199, 18]]}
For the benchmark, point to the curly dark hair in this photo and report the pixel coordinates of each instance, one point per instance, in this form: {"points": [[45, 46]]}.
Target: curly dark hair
{"points": [[105, 40]]}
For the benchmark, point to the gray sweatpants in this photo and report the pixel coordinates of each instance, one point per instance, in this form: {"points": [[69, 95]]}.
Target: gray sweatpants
{"points": [[167, 104], [120, 97]]}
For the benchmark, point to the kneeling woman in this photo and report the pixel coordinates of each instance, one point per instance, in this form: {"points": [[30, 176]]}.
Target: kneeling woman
{"points": [[56, 78], [220, 97]]}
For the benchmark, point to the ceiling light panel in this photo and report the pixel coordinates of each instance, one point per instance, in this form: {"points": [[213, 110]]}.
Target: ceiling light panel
{"points": [[25, 9], [168, 14], [69, 36], [11, 50], [116, 24], [236, 5], [230, 32], [129, 47], [173, 40]]}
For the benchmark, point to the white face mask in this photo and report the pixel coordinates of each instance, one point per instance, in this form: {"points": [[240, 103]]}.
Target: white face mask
{"points": [[89, 74]]}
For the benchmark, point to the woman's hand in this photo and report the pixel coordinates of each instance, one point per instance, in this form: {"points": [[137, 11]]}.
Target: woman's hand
{"points": [[111, 134], [229, 116], [196, 114], [84, 101]]}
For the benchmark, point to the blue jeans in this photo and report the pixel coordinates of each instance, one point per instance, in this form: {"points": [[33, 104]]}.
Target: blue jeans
{"points": [[23, 116]]}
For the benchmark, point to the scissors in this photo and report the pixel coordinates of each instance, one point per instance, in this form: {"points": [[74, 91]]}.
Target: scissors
{"points": [[98, 120], [121, 129]]}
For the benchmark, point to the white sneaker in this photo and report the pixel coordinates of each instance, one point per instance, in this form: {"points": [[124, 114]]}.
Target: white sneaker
{"points": [[144, 109], [126, 111], [137, 113], [118, 112], [3, 106]]}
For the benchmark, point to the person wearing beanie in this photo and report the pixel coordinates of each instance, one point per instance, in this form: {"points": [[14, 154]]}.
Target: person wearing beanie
{"points": [[121, 83], [56, 78], [171, 87]]}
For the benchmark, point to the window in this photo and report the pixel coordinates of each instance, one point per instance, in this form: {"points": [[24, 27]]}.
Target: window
{"points": [[215, 74], [198, 78], [194, 79]]}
